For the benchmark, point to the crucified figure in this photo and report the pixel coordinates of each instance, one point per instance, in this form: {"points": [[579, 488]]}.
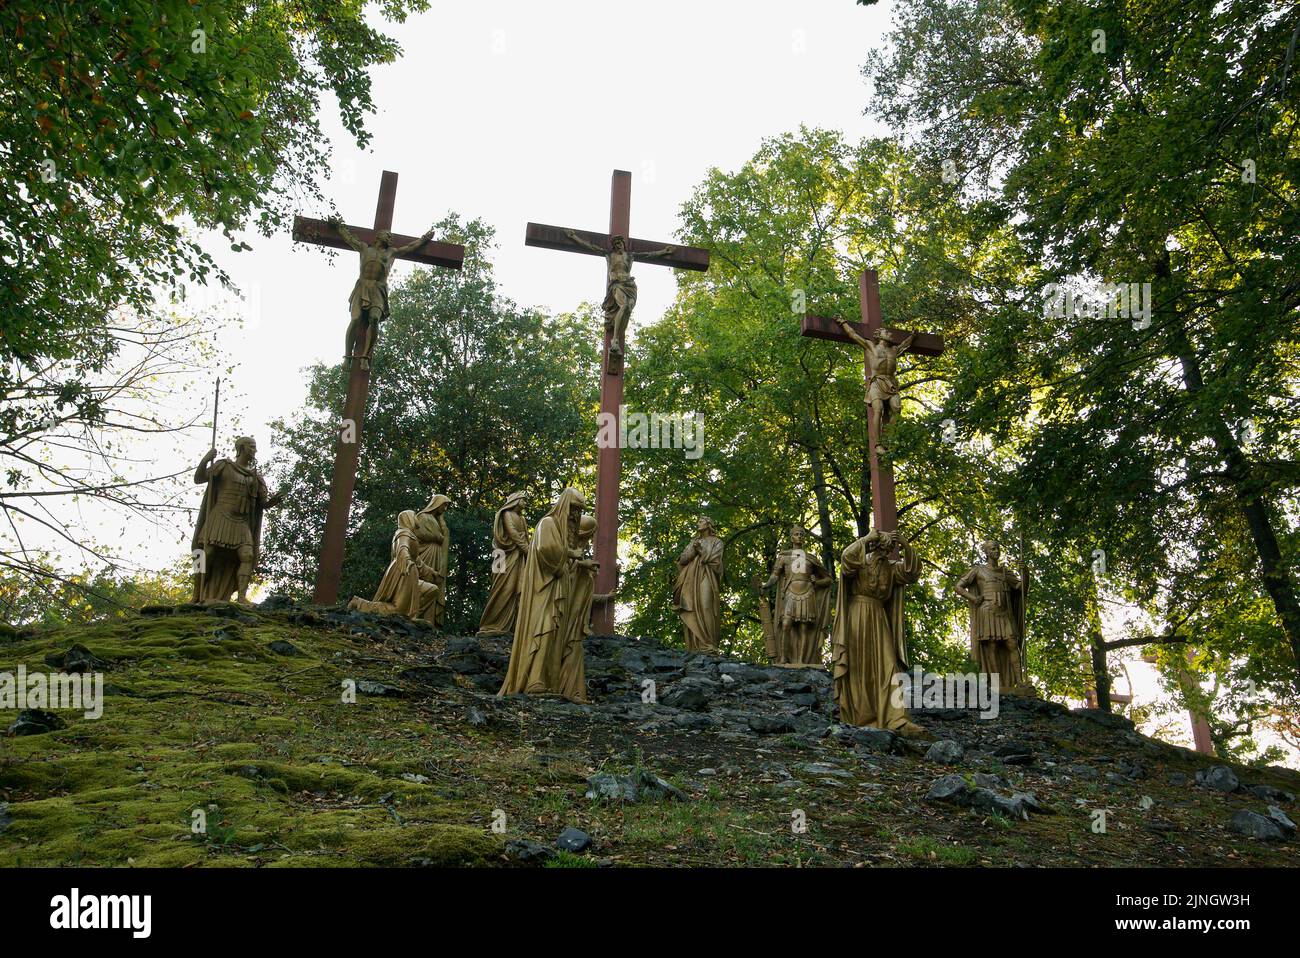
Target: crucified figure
{"points": [[368, 303], [620, 290], [882, 386]]}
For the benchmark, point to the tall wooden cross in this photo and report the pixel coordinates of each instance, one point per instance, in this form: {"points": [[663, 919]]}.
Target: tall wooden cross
{"points": [[348, 450], [608, 461], [884, 507]]}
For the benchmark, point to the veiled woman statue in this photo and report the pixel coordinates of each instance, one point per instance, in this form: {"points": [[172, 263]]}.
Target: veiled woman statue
{"points": [[435, 546], [867, 642], [407, 587], [545, 594], [696, 590], [509, 553]]}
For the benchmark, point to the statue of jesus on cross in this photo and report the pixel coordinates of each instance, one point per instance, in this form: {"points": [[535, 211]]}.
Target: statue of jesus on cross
{"points": [[620, 288], [882, 361], [369, 300]]}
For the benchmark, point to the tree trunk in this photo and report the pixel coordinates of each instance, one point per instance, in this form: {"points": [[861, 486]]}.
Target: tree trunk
{"points": [[823, 509]]}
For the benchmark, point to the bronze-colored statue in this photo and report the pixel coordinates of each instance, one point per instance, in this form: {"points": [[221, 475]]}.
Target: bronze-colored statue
{"points": [[802, 603], [577, 618], [537, 655], [509, 553], [882, 361], [620, 289], [996, 598], [867, 641], [228, 536], [434, 551], [408, 587], [368, 303], [696, 591]]}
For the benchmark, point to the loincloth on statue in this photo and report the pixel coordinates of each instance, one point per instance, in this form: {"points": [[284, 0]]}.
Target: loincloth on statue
{"points": [[366, 295], [800, 606]]}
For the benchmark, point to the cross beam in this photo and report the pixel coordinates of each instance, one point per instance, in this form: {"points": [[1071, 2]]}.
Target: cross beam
{"points": [[608, 460], [348, 450], [884, 506]]}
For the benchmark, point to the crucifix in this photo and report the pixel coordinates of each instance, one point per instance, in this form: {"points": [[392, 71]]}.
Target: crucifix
{"points": [[620, 251], [881, 347], [378, 247]]}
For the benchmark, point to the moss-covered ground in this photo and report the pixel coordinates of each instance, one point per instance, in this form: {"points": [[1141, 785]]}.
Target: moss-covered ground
{"points": [[216, 750]]}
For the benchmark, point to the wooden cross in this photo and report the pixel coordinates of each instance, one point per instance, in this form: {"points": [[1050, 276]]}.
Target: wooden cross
{"points": [[884, 507], [608, 461], [348, 450]]}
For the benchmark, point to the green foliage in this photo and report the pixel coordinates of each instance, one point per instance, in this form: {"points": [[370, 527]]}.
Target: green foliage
{"points": [[471, 396], [1163, 152], [785, 436], [120, 124], [91, 595]]}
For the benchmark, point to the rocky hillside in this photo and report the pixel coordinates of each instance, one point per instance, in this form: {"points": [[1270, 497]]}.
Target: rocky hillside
{"points": [[240, 715]]}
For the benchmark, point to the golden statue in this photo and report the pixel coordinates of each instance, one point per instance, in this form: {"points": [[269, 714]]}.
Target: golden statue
{"points": [[407, 587], [228, 535], [996, 598], [434, 550], [696, 595], [802, 604], [545, 593], [509, 553], [867, 642]]}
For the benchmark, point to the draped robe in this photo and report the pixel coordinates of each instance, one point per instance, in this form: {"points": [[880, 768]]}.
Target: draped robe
{"points": [[537, 653], [867, 642], [510, 535], [401, 591], [695, 593]]}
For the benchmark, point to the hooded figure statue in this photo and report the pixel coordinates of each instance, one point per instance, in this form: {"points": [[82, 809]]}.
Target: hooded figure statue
{"points": [[406, 588], [867, 641], [509, 553], [435, 547], [545, 593]]}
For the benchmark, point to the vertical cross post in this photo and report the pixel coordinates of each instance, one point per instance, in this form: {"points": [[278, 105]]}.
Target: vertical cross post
{"points": [[347, 451], [884, 508], [608, 457], [609, 463]]}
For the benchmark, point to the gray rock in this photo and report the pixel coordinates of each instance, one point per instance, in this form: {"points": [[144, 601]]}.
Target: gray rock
{"points": [[950, 788], [870, 739], [692, 694], [281, 647], [76, 659], [1269, 793], [985, 780], [770, 724], [35, 722], [529, 853], [638, 787], [1220, 778], [476, 717], [945, 752], [367, 687], [1280, 818], [431, 676], [573, 840], [1254, 825]]}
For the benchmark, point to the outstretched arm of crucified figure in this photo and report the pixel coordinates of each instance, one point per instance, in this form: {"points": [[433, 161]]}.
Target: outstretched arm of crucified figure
{"points": [[851, 332], [415, 244], [348, 237], [589, 247], [662, 253]]}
